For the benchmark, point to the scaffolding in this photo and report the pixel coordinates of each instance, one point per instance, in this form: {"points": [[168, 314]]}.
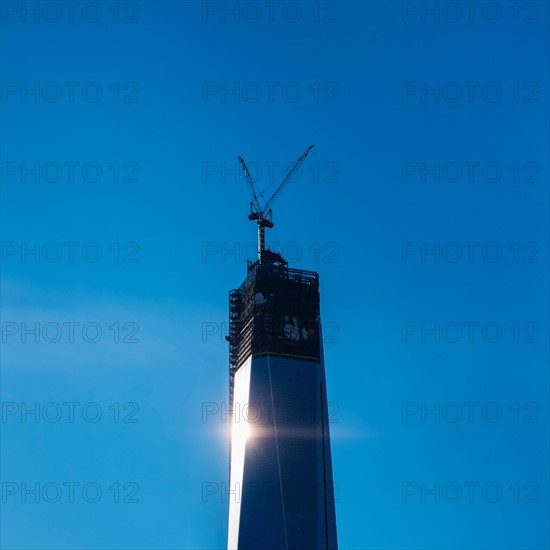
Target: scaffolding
{"points": [[274, 312]]}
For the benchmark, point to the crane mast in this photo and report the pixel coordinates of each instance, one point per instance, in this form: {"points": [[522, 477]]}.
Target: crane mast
{"points": [[264, 215]]}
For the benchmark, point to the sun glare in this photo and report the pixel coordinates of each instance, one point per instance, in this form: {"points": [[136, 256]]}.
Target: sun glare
{"points": [[240, 430]]}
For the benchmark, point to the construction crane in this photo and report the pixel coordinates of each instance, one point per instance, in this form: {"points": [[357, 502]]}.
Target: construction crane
{"points": [[264, 215]]}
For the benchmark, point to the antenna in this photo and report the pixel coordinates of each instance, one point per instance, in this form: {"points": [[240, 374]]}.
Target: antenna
{"points": [[264, 216]]}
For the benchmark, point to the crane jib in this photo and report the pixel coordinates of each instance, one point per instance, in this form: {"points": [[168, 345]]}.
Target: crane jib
{"points": [[264, 215]]}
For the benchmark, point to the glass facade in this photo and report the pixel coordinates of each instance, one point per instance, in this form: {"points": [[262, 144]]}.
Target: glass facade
{"points": [[282, 494]]}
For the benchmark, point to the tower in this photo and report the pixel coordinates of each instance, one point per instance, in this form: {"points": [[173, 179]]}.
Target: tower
{"points": [[281, 487]]}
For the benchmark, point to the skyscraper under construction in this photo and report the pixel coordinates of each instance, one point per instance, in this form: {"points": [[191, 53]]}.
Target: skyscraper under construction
{"points": [[281, 484]]}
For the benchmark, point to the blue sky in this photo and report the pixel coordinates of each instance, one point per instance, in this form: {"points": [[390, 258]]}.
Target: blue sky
{"points": [[165, 236]]}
